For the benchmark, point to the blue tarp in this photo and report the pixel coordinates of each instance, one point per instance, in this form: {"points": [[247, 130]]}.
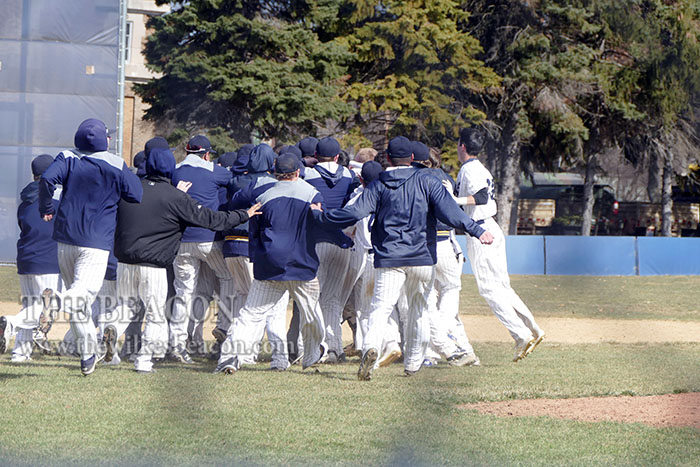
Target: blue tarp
{"points": [[59, 67]]}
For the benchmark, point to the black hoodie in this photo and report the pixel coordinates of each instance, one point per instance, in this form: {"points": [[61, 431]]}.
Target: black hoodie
{"points": [[148, 233]]}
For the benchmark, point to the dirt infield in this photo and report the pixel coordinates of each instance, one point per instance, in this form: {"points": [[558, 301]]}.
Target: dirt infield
{"points": [[559, 330], [682, 410]]}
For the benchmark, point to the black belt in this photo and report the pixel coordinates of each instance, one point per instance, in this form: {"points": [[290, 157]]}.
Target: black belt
{"points": [[370, 251]]}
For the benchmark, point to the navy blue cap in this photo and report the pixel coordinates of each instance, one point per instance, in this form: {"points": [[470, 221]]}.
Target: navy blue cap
{"points": [[370, 171], [291, 150], [140, 159], [286, 163], [399, 147], [199, 145], [327, 147], [227, 159], [91, 136], [420, 151], [40, 163], [308, 146], [157, 142]]}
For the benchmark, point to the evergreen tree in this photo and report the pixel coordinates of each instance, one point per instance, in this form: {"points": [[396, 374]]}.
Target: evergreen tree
{"points": [[243, 67]]}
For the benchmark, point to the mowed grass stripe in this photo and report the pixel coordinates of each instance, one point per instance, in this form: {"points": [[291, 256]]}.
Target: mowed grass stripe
{"points": [[185, 415]]}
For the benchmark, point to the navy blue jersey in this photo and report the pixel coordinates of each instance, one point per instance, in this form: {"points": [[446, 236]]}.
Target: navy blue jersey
{"points": [[281, 240], [406, 203], [336, 184], [37, 252], [93, 183], [207, 180]]}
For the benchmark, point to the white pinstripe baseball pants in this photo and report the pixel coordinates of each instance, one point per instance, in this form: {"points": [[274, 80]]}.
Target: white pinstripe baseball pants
{"points": [[23, 323], [186, 268], [332, 270], [444, 303], [104, 303], [82, 271], [416, 281], [137, 283], [206, 291], [490, 269], [264, 298], [276, 322]]}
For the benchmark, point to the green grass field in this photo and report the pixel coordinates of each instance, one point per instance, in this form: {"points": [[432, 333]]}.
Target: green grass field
{"points": [[186, 415]]}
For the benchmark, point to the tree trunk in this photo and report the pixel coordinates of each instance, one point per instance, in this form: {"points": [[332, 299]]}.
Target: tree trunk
{"points": [[588, 198], [666, 201], [654, 180], [509, 181]]}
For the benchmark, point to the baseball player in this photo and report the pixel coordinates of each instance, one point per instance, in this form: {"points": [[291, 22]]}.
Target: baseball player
{"points": [[37, 266], [336, 184], [284, 260], [489, 264], [198, 244], [147, 240], [443, 301], [93, 181], [406, 203]]}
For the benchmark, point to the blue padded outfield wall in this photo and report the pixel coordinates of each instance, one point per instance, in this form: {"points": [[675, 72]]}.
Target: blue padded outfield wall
{"points": [[599, 256]]}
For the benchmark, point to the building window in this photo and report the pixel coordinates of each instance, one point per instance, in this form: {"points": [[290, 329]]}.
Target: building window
{"points": [[127, 41]]}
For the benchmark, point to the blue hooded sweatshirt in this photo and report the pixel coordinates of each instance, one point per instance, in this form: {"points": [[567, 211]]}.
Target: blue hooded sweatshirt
{"points": [[94, 181], [336, 188], [207, 180], [260, 163], [406, 203], [37, 252], [282, 244]]}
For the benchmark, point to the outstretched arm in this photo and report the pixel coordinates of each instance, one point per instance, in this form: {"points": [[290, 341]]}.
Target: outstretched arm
{"points": [[448, 212], [347, 216]]}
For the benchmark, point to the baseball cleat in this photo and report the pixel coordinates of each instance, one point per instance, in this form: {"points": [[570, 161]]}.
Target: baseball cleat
{"points": [[110, 342], [51, 304], [324, 351], [409, 373], [351, 351], [298, 359], [219, 335], [227, 367], [40, 340], [389, 358], [463, 359], [521, 348], [3, 342], [182, 357], [145, 372], [364, 373], [539, 336], [430, 362], [88, 366]]}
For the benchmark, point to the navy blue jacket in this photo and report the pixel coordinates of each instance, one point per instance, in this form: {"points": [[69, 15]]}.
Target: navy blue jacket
{"points": [[282, 244], [336, 189], [207, 179], [442, 228], [37, 252], [260, 163], [93, 183], [407, 203]]}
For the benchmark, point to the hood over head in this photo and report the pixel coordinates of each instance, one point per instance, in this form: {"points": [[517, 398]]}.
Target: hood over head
{"points": [[262, 159], [160, 163]]}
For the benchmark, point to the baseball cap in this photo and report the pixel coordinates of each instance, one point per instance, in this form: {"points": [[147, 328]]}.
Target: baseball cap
{"points": [[286, 163], [370, 171], [157, 142], [327, 147], [199, 145], [291, 150], [308, 146], [420, 151], [227, 159], [91, 136], [399, 147], [40, 164]]}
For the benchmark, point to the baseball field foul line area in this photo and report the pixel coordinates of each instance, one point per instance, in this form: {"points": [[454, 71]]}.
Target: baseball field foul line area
{"points": [[186, 415]]}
